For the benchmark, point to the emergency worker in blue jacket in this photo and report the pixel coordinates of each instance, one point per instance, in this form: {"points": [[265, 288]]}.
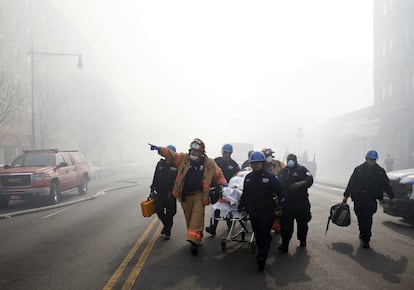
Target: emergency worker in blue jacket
{"points": [[258, 199], [296, 179], [161, 190]]}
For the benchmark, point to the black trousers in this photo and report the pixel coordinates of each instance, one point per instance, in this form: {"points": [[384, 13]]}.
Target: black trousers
{"points": [[262, 226], [166, 208], [302, 217], [364, 210]]}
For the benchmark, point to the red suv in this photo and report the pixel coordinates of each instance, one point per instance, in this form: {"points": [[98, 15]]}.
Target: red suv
{"points": [[46, 172]]}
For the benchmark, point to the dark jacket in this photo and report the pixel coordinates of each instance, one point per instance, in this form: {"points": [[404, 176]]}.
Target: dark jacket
{"points": [[164, 177], [288, 176], [229, 167], [259, 191], [368, 183]]}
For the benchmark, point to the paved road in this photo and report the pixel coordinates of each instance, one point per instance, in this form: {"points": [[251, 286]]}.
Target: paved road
{"points": [[104, 243]]}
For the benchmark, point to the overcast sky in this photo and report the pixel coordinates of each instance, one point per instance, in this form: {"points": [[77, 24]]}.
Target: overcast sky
{"points": [[230, 71]]}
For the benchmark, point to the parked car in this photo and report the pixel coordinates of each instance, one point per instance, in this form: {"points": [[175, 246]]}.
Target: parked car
{"points": [[47, 172], [402, 182]]}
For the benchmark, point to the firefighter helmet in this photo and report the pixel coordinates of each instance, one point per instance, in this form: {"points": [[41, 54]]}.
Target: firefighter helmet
{"points": [[197, 144]]}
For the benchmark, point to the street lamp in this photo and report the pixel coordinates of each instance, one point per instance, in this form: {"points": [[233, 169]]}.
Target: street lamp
{"points": [[44, 55]]}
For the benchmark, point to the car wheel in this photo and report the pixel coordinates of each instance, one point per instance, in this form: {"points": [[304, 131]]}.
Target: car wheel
{"points": [[83, 188], [4, 203], [54, 193]]}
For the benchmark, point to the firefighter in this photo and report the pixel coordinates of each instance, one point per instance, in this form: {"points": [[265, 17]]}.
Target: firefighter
{"points": [[367, 184], [195, 173], [296, 179], [274, 166], [161, 190], [258, 199]]}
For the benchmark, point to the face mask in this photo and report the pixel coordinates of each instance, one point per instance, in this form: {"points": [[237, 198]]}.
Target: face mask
{"points": [[291, 163], [269, 159], [193, 157]]}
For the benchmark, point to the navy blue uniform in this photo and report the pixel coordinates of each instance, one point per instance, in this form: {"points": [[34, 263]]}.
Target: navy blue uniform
{"points": [[258, 199], [165, 205], [297, 204], [229, 167], [365, 186]]}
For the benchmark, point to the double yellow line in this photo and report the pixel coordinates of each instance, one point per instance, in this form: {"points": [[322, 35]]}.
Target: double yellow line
{"points": [[141, 261]]}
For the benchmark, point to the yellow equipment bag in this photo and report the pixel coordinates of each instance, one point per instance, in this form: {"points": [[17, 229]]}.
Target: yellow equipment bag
{"points": [[148, 207]]}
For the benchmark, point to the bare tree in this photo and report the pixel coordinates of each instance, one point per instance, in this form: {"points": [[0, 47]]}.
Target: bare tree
{"points": [[11, 99]]}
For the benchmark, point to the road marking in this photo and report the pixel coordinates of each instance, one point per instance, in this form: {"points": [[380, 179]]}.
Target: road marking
{"points": [[138, 267], [55, 213], [115, 277]]}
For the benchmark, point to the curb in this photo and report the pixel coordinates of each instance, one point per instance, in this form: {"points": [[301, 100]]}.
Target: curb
{"points": [[44, 208]]}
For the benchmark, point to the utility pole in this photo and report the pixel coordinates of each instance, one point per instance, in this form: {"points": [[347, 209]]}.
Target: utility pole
{"points": [[42, 55]]}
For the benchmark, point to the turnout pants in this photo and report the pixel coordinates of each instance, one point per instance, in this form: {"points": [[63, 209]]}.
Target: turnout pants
{"points": [[193, 208]]}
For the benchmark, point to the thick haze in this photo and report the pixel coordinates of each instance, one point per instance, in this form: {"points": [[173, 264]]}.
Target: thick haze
{"points": [[228, 71]]}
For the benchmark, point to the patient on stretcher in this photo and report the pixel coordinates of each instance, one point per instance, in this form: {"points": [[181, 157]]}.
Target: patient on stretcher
{"points": [[226, 207]]}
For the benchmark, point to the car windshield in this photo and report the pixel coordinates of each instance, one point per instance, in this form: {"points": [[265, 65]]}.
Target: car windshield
{"points": [[41, 160]]}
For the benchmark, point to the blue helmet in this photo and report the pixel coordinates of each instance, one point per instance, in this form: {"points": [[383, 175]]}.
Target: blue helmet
{"points": [[172, 148], [257, 156], [227, 148], [372, 154]]}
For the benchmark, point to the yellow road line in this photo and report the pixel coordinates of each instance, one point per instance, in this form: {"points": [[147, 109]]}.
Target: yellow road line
{"points": [[115, 277], [138, 267]]}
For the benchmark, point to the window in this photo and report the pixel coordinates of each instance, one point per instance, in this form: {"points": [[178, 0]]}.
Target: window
{"points": [[383, 95], [390, 90], [384, 8]]}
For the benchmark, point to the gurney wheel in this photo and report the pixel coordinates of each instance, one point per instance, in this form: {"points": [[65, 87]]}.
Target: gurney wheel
{"points": [[253, 247], [223, 245]]}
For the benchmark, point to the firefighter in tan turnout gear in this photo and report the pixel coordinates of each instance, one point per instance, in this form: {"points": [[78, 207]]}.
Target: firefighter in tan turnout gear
{"points": [[195, 173]]}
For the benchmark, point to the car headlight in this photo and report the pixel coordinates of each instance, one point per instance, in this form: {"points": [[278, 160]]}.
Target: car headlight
{"points": [[38, 177]]}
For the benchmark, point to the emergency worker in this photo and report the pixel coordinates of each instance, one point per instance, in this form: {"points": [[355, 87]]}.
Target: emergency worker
{"points": [[258, 199], [226, 163], [247, 162], [195, 173], [272, 165], [296, 179], [161, 190], [367, 184]]}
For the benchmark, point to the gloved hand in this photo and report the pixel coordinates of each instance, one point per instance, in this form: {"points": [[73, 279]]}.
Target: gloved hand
{"points": [[392, 201], [345, 199], [175, 194], [206, 202], [154, 147], [153, 194]]}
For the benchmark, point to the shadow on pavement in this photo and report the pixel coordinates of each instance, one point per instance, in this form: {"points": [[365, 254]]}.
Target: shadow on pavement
{"points": [[374, 261]]}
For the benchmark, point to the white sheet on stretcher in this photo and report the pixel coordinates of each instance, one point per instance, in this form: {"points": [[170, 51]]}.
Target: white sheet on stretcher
{"points": [[231, 196]]}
